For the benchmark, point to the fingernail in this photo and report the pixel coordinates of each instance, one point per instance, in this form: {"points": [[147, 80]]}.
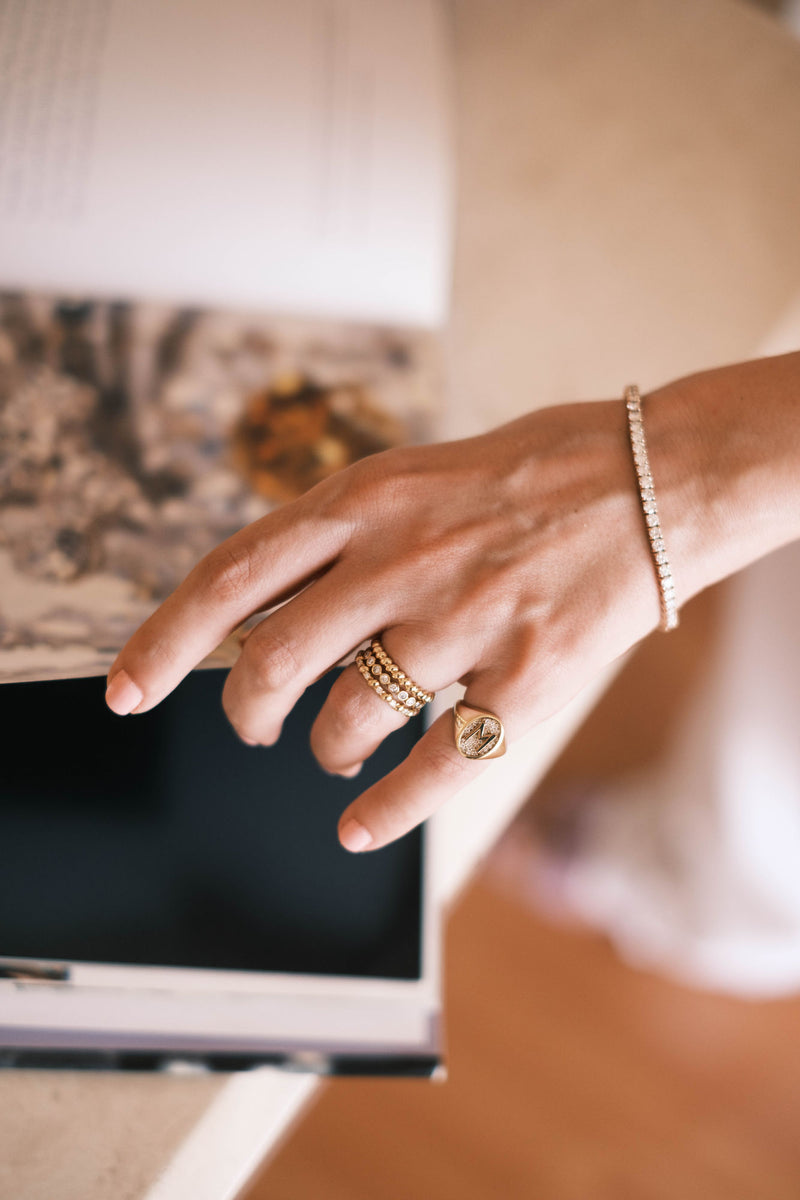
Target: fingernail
{"points": [[122, 694], [354, 837], [350, 772]]}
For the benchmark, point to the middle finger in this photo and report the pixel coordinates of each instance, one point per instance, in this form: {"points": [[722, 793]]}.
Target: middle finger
{"points": [[293, 646]]}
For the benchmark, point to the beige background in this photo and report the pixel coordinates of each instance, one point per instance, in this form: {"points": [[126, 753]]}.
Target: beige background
{"points": [[629, 182]]}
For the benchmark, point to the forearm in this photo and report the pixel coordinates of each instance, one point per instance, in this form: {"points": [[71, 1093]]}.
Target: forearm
{"points": [[725, 452]]}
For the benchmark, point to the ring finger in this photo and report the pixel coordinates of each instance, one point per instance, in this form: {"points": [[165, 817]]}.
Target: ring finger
{"points": [[355, 719]]}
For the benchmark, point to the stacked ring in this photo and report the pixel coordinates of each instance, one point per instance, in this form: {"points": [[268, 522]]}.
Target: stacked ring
{"points": [[390, 682]]}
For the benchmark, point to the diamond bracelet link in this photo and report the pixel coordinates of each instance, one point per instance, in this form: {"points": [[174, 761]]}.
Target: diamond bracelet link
{"points": [[666, 583]]}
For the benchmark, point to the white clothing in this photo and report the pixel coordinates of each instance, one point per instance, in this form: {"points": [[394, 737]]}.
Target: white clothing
{"points": [[696, 871]]}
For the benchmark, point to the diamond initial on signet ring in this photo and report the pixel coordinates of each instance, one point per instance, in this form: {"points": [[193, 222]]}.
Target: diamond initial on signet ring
{"points": [[477, 733]]}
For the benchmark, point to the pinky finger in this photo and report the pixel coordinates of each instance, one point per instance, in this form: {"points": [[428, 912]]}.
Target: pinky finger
{"points": [[432, 773]]}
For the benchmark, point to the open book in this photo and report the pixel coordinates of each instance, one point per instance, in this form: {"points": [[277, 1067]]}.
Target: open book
{"points": [[224, 249], [224, 241]]}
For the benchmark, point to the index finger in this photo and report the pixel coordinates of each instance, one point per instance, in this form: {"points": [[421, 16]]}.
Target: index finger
{"points": [[248, 572]]}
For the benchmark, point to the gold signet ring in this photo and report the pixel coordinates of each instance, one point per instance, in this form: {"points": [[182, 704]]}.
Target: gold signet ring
{"points": [[478, 734]]}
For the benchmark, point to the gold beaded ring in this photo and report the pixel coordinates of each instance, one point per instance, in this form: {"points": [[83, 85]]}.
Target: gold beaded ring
{"points": [[390, 682]]}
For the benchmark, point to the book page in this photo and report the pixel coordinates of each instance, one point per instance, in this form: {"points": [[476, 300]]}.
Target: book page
{"points": [[135, 436], [293, 157]]}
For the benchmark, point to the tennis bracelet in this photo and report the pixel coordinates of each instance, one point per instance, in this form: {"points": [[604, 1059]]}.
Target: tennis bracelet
{"points": [[666, 584]]}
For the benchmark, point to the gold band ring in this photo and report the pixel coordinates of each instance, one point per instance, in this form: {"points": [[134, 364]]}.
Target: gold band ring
{"points": [[390, 682], [477, 733]]}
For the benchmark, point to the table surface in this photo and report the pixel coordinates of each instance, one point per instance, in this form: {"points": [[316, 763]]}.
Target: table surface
{"points": [[629, 185]]}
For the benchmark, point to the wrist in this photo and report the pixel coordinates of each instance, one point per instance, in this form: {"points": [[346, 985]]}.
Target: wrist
{"points": [[725, 453]]}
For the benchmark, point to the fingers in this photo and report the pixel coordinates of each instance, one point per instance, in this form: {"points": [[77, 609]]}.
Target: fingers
{"points": [[292, 647], [351, 724], [354, 720], [435, 771], [431, 774], [244, 574]]}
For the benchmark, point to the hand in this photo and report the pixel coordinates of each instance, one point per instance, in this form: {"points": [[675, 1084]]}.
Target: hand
{"points": [[516, 563]]}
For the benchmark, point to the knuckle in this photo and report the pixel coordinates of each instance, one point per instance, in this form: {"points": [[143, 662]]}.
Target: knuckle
{"points": [[442, 761], [227, 572], [537, 661], [371, 488], [153, 653], [271, 660], [357, 710], [388, 818], [493, 596], [249, 725]]}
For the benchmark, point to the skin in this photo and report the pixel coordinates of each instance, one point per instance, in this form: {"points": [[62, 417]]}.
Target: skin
{"points": [[516, 563]]}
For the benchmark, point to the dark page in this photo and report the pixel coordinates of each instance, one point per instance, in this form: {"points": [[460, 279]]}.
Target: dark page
{"points": [[161, 839]]}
